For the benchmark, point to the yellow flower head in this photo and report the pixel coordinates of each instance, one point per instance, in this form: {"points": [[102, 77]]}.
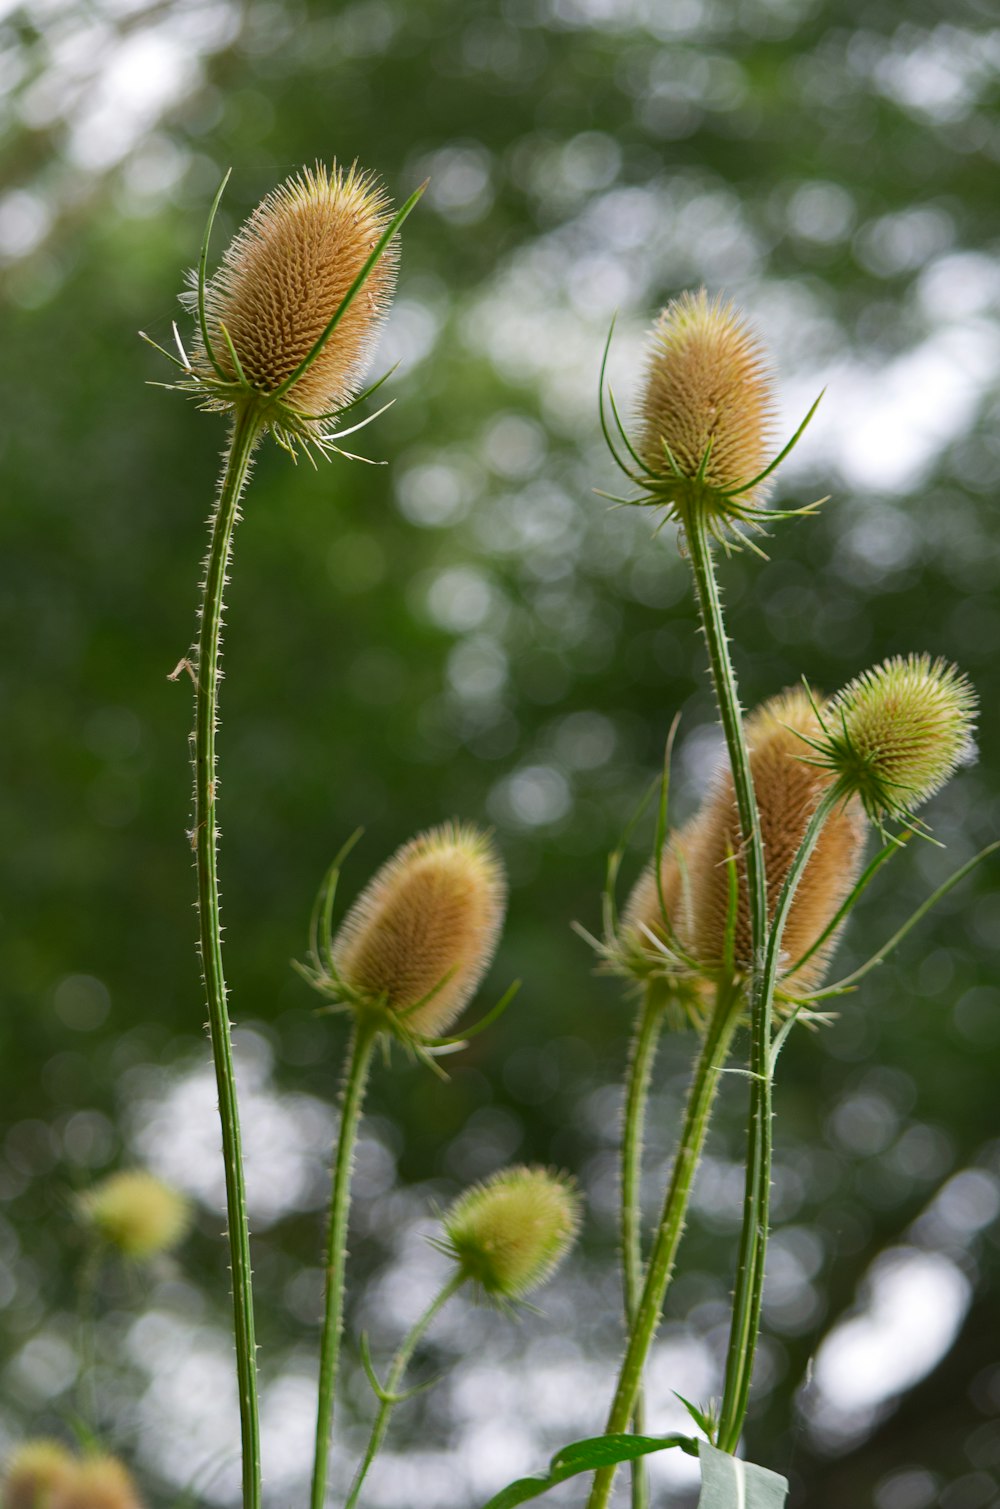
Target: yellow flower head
{"points": [[35, 1472], [135, 1212], [510, 1233], [420, 937], [99, 1482], [788, 791]]}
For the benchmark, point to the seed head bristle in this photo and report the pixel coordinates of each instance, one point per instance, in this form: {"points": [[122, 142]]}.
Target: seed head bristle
{"points": [[34, 1473], [99, 1482], [708, 383], [284, 275], [898, 732], [426, 926], [135, 1212], [788, 791], [511, 1232]]}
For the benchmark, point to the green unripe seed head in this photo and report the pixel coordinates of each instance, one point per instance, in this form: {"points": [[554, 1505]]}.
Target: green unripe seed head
{"points": [[511, 1232], [135, 1212]]}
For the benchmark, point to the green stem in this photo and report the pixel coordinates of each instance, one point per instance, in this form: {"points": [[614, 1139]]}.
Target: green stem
{"points": [[390, 1396], [359, 1061], [664, 1250], [750, 1282], [644, 1043], [246, 432]]}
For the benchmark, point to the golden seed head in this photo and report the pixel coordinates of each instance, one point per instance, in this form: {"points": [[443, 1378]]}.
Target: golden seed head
{"points": [[283, 277], [897, 733], [643, 913], [511, 1232], [135, 1212], [99, 1482], [708, 383], [34, 1473], [426, 927], [788, 792]]}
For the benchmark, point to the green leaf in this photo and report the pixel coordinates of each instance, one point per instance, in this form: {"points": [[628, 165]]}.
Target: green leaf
{"points": [[587, 1456], [728, 1483]]}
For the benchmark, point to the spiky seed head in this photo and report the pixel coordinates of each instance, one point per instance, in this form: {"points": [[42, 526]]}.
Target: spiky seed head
{"points": [[98, 1482], [643, 912], [897, 733], [788, 793], [422, 934], [708, 384], [283, 277], [509, 1233], [34, 1473], [135, 1212]]}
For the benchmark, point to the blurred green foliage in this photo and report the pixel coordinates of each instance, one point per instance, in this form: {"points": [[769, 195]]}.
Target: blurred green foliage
{"points": [[467, 631]]}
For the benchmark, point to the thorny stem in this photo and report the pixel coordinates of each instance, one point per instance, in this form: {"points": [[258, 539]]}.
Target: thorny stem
{"points": [[246, 432], [644, 1043], [668, 1235], [750, 1277], [359, 1061], [389, 1397]]}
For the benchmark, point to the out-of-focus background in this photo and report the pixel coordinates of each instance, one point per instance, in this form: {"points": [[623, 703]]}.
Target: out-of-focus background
{"points": [[468, 631]]}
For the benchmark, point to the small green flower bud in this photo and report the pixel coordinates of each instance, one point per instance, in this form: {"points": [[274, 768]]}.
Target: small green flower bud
{"points": [[135, 1212], [511, 1232], [897, 733], [35, 1472], [99, 1482], [420, 937]]}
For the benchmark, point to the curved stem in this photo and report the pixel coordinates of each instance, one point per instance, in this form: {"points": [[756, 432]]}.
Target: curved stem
{"points": [[746, 1313], [246, 432], [389, 1397], [359, 1061], [664, 1250], [644, 1043]]}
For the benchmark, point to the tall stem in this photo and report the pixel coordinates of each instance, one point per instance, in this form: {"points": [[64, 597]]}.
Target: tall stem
{"points": [[668, 1235], [359, 1061], [246, 431], [390, 1397], [644, 1043], [746, 1314]]}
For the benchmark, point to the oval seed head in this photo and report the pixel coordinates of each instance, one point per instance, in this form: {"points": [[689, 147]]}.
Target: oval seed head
{"points": [[34, 1474], [511, 1232], [98, 1482], [283, 277], [709, 389], [135, 1212], [422, 934], [788, 791], [897, 733], [643, 912]]}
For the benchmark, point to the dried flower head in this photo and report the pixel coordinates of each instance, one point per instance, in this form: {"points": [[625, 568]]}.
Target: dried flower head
{"points": [[420, 937], [99, 1482], [510, 1233], [135, 1212], [34, 1473], [643, 913], [788, 791], [895, 734]]}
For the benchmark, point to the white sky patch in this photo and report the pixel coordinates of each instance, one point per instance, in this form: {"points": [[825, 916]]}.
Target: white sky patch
{"points": [[913, 1308]]}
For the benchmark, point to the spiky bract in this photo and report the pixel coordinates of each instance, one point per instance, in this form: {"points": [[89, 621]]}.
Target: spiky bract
{"points": [[98, 1482], [135, 1212], [420, 937], [896, 733], [509, 1233], [788, 792], [35, 1472]]}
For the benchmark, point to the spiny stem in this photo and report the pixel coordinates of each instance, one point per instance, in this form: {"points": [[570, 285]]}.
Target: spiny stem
{"points": [[359, 1061], [399, 1365], [644, 1042], [750, 1281], [664, 1250], [246, 432]]}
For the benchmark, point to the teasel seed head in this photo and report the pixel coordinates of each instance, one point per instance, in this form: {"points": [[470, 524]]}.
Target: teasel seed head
{"points": [[136, 1213], [35, 1472], [788, 792], [98, 1482], [898, 732], [422, 934], [511, 1232]]}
